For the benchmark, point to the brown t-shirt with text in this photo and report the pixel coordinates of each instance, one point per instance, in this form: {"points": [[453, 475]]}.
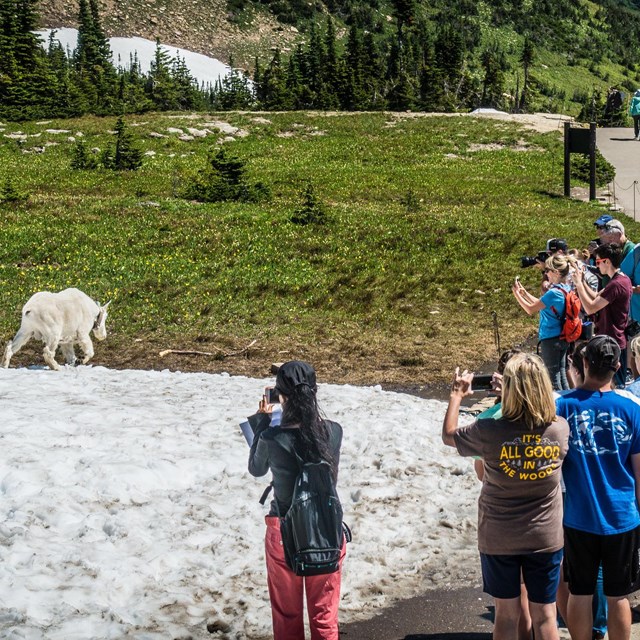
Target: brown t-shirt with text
{"points": [[520, 504]]}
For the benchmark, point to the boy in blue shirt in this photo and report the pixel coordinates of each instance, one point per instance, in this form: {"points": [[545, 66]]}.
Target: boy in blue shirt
{"points": [[602, 476]]}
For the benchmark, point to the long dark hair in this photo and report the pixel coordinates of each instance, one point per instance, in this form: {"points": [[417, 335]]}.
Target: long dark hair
{"points": [[301, 408]]}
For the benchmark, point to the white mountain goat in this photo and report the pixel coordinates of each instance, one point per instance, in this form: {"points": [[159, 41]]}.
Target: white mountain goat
{"points": [[65, 318]]}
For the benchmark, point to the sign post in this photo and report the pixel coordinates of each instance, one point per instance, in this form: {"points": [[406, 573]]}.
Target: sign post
{"points": [[579, 140]]}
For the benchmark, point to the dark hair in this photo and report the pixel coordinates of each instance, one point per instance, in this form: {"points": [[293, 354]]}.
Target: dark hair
{"points": [[505, 357], [577, 355], [611, 251], [301, 408]]}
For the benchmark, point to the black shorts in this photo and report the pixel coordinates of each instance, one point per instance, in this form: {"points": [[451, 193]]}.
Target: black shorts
{"points": [[620, 557]]}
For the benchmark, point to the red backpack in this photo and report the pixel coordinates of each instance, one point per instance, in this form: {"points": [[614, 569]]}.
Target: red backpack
{"points": [[572, 324]]}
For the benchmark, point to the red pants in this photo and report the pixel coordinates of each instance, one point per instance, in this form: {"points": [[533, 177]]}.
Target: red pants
{"points": [[286, 594]]}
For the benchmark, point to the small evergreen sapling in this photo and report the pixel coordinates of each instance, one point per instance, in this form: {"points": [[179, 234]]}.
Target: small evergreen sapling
{"points": [[82, 157], [224, 179], [312, 210], [10, 194]]}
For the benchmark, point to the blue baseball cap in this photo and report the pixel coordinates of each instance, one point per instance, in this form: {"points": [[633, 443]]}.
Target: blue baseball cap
{"points": [[602, 220]]}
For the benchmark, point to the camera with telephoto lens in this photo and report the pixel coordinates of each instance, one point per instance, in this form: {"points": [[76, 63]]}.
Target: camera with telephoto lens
{"points": [[530, 261]]}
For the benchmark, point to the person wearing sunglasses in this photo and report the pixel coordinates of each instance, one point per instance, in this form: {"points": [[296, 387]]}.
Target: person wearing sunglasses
{"points": [[551, 307], [611, 304]]}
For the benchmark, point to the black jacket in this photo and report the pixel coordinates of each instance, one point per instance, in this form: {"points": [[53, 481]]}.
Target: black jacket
{"points": [[273, 449]]}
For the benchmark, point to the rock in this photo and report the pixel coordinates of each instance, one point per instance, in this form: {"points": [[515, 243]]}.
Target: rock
{"points": [[260, 120], [71, 139], [198, 133], [174, 130], [186, 138], [222, 127], [155, 134], [150, 153], [57, 131], [15, 136]]}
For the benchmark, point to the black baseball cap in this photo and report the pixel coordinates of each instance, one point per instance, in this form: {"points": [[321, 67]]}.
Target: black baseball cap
{"points": [[556, 244], [602, 353], [293, 374]]}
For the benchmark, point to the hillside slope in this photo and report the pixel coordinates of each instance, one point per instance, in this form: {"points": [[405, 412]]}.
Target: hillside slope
{"points": [[200, 26], [580, 48]]}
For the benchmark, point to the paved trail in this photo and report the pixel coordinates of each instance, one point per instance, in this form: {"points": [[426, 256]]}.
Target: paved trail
{"points": [[620, 148]]}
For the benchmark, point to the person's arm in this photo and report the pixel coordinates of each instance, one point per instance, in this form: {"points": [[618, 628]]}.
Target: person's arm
{"points": [[460, 388], [635, 465], [528, 302], [259, 453], [591, 300]]}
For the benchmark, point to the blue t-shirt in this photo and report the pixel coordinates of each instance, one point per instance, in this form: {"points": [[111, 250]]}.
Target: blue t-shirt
{"points": [[604, 434], [631, 267], [552, 316]]}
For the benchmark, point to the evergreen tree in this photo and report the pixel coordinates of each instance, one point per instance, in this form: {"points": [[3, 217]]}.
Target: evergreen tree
{"points": [[493, 84], [223, 178], [273, 91], [82, 158], [404, 12], [527, 58], [127, 156], [331, 71], [161, 85], [97, 77]]}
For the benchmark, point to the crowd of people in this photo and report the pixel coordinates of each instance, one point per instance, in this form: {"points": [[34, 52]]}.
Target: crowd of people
{"points": [[559, 453], [606, 280], [558, 456]]}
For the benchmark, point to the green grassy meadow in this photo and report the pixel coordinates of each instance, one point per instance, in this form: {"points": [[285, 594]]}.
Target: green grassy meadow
{"points": [[426, 228]]}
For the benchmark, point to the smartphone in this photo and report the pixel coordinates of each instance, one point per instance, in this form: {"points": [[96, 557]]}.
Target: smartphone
{"points": [[482, 381], [273, 397]]}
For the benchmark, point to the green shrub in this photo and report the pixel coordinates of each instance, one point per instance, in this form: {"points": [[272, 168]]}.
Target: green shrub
{"points": [[82, 157], [605, 171], [222, 179], [10, 194], [312, 210]]}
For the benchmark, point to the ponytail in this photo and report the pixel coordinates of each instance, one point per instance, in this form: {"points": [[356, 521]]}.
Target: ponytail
{"points": [[301, 408]]}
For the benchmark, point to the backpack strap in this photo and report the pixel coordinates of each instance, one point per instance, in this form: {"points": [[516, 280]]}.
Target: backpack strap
{"points": [[265, 494], [564, 295], [636, 259]]}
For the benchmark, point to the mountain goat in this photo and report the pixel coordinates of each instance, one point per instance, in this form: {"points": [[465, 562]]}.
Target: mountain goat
{"points": [[65, 318]]}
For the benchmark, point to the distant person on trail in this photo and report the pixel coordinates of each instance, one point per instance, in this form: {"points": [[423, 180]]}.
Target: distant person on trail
{"points": [[602, 474], [634, 112], [520, 504], [551, 307]]}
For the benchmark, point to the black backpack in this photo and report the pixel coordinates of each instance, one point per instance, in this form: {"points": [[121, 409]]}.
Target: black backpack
{"points": [[312, 530]]}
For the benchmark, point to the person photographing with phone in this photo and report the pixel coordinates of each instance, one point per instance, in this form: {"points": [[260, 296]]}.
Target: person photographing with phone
{"points": [[552, 309], [520, 504], [303, 439]]}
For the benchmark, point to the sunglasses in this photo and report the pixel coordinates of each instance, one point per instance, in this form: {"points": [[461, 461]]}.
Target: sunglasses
{"points": [[599, 260]]}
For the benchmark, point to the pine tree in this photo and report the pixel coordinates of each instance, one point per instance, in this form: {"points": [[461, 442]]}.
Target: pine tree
{"points": [[493, 83], [161, 85], [526, 59], [127, 156], [273, 87], [331, 72]]}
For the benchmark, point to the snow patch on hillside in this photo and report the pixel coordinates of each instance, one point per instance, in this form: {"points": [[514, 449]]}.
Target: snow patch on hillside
{"points": [[203, 68]]}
